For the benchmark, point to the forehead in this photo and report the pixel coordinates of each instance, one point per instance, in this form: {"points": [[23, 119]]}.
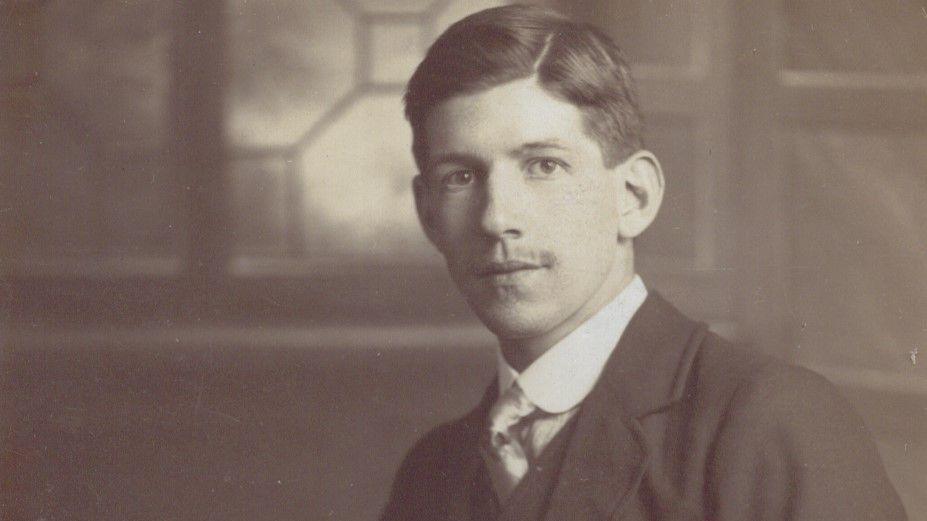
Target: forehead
{"points": [[504, 118]]}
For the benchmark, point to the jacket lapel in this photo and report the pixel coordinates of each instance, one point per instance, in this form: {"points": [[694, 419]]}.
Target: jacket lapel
{"points": [[608, 452], [603, 466], [462, 487]]}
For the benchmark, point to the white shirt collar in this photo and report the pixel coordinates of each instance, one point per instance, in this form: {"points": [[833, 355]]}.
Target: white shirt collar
{"points": [[562, 377]]}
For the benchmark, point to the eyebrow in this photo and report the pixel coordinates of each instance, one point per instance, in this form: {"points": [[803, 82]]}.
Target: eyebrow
{"points": [[539, 145], [462, 158]]}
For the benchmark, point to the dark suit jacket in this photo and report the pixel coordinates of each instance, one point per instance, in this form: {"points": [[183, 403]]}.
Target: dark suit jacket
{"points": [[680, 426]]}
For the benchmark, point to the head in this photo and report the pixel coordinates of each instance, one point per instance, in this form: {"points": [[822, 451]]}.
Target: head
{"points": [[573, 62], [533, 180]]}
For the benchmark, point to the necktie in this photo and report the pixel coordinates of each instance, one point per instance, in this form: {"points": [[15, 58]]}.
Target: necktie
{"points": [[506, 458]]}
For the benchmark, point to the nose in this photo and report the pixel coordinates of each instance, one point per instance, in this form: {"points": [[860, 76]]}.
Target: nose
{"points": [[502, 205]]}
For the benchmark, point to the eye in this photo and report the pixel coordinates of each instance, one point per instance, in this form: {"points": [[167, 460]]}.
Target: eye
{"points": [[459, 178], [545, 166]]}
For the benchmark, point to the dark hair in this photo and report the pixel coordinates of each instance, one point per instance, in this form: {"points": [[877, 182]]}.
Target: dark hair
{"points": [[574, 62]]}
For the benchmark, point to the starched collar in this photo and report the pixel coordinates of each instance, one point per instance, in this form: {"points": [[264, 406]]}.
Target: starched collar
{"points": [[564, 375]]}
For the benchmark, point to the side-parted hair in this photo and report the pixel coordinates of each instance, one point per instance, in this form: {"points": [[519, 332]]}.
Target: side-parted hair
{"points": [[573, 62]]}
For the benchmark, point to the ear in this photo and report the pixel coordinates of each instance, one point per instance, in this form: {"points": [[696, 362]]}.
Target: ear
{"points": [[640, 193], [424, 207]]}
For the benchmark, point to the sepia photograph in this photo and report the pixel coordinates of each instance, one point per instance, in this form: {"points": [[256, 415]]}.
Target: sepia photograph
{"points": [[423, 260]]}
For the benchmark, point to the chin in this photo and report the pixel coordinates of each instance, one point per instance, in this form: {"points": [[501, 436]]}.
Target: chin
{"points": [[515, 320]]}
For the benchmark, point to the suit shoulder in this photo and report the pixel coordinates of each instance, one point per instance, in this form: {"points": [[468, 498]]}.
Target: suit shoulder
{"points": [[434, 455], [442, 442], [788, 431], [419, 483], [716, 374], [750, 380]]}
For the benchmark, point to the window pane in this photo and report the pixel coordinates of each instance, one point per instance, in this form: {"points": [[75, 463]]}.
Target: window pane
{"points": [[324, 83], [859, 268], [395, 6], [357, 180], [86, 147], [851, 36], [292, 60], [641, 28]]}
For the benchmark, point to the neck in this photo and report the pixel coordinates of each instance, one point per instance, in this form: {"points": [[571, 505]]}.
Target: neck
{"points": [[522, 352]]}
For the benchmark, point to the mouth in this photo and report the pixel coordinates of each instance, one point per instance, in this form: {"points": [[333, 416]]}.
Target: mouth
{"points": [[503, 268]]}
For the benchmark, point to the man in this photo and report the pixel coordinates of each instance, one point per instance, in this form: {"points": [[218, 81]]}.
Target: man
{"points": [[609, 404]]}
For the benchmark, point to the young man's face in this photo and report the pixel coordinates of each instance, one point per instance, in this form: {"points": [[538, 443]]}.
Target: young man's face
{"points": [[517, 198]]}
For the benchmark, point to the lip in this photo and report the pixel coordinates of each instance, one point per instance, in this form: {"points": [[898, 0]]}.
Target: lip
{"points": [[495, 269]]}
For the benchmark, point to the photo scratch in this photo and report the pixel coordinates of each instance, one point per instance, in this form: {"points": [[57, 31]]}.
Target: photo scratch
{"points": [[224, 415]]}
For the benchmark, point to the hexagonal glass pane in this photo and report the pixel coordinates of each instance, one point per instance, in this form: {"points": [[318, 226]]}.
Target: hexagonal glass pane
{"points": [[291, 61], [357, 185], [396, 49], [455, 10]]}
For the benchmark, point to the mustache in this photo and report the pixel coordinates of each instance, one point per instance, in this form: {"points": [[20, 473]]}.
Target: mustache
{"points": [[514, 262]]}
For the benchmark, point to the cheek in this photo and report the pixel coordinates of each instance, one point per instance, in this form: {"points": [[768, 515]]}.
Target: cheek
{"points": [[452, 224], [586, 237], [588, 212]]}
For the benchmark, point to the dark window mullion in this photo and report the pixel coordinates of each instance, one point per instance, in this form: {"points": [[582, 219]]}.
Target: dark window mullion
{"points": [[198, 70]]}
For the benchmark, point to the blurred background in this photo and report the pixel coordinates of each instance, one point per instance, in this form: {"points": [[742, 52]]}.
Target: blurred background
{"points": [[216, 300]]}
